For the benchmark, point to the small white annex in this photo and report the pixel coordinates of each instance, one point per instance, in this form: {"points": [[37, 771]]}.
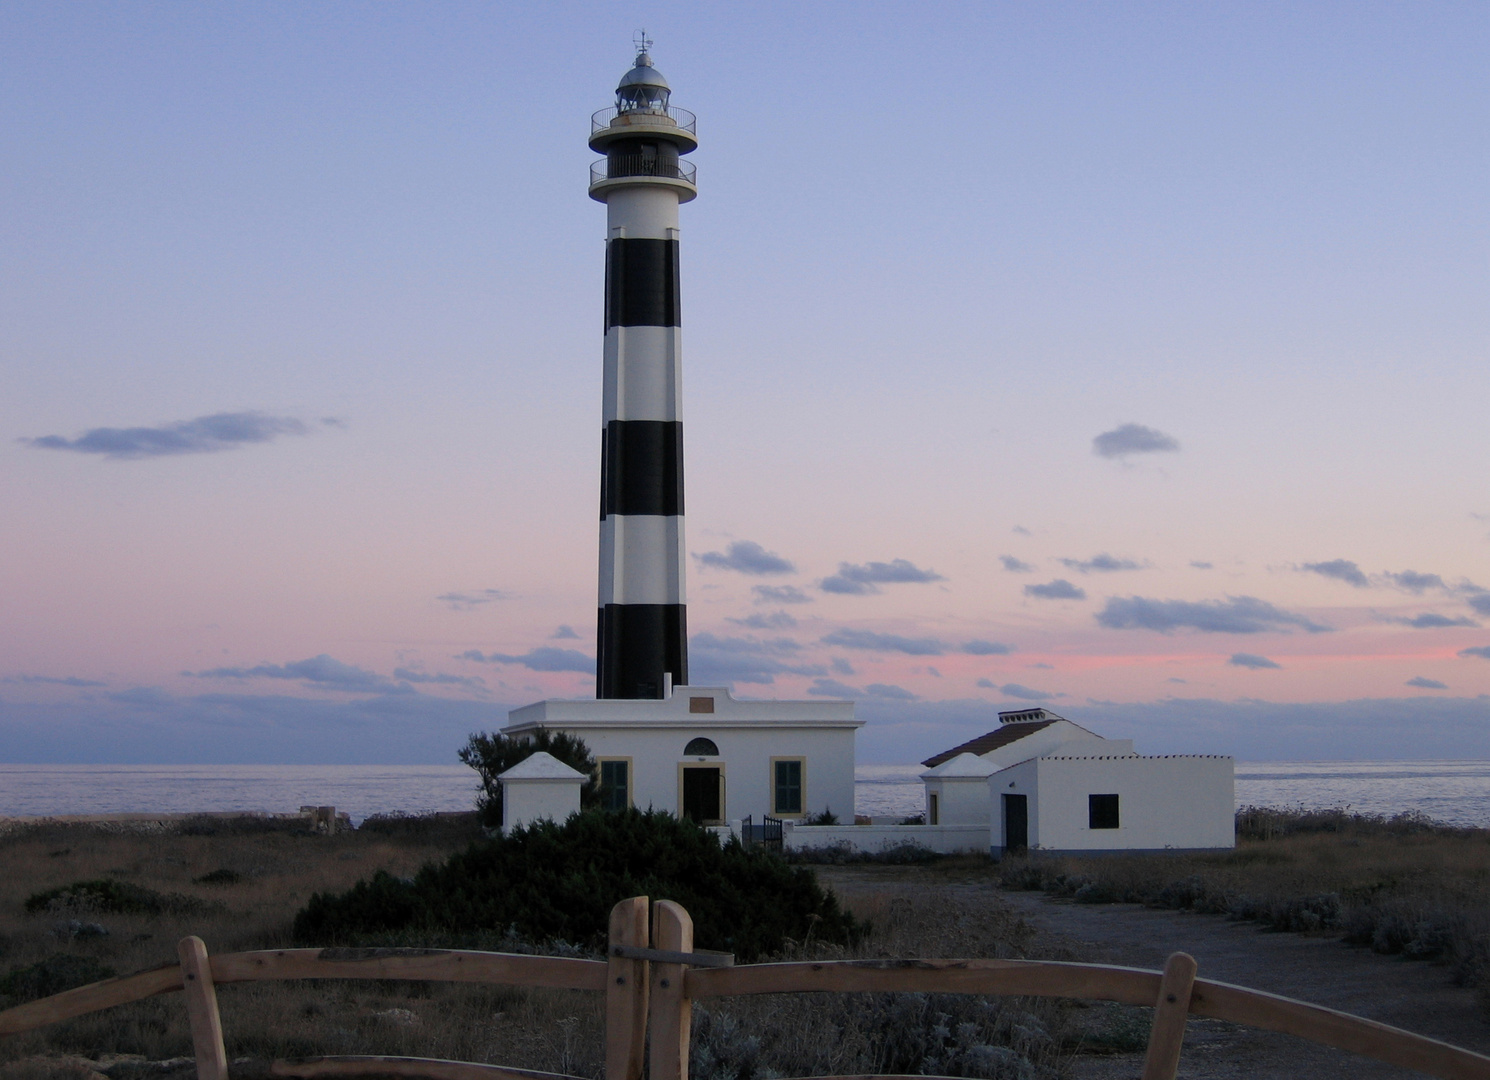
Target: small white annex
{"points": [[539, 787], [1049, 785], [700, 753]]}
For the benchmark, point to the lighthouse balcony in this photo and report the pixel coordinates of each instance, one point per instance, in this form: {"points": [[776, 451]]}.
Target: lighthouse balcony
{"points": [[626, 166], [675, 126], [668, 117]]}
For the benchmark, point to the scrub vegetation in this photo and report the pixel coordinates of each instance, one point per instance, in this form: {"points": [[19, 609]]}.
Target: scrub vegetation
{"points": [[239, 884], [556, 884]]}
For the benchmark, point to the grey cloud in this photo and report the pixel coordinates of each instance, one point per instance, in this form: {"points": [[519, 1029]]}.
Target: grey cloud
{"points": [[144, 697], [49, 680], [469, 682], [747, 557], [1042, 667], [893, 693], [854, 580], [1197, 564], [1059, 589], [205, 434], [868, 639], [1175, 679], [320, 670], [1339, 569], [987, 684], [1020, 530], [465, 601], [833, 688], [842, 666], [1102, 563], [1234, 615], [1430, 620], [1426, 684], [1479, 603], [987, 648], [563, 633], [1015, 566], [780, 594], [745, 659], [776, 620], [1482, 651], [544, 658], [1251, 660], [1415, 582], [1024, 693], [1132, 439]]}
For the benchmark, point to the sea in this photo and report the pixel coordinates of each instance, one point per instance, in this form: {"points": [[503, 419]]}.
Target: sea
{"points": [[1454, 792]]}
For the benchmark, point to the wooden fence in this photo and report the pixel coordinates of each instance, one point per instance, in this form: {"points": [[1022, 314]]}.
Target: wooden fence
{"points": [[652, 975]]}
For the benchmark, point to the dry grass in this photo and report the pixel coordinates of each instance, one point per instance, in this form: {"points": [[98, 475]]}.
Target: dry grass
{"points": [[278, 869], [752, 1038]]}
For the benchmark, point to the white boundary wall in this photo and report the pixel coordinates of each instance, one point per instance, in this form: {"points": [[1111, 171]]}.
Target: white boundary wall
{"points": [[872, 839]]}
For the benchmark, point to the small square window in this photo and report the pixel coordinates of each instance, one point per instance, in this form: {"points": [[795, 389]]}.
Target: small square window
{"points": [[788, 787], [700, 704], [615, 784], [1102, 811]]}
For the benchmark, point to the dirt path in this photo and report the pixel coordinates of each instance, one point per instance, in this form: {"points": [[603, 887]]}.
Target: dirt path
{"points": [[1412, 995], [1416, 996]]}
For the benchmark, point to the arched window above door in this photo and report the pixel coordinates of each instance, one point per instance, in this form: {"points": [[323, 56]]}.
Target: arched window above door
{"points": [[701, 747]]}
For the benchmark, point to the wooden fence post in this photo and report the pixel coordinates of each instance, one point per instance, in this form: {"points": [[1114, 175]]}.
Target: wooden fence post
{"points": [[672, 1012], [1170, 1012], [201, 1007], [626, 993]]}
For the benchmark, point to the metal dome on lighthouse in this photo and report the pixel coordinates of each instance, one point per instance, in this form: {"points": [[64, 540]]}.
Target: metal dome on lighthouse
{"points": [[642, 631]]}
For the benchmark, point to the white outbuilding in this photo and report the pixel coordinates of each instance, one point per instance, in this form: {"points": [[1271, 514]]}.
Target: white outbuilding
{"points": [[957, 791], [539, 787], [1053, 786]]}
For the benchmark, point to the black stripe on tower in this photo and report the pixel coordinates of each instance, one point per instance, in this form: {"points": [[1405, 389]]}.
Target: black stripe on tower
{"points": [[637, 645], [641, 283], [642, 470]]}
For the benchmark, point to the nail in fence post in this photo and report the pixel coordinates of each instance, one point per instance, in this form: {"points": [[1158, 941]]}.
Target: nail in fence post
{"points": [[201, 1007], [672, 1012], [626, 993], [1170, 1012]]}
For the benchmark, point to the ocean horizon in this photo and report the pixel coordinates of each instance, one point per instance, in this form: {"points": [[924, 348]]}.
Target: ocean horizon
{"points": [[1454, 792]]}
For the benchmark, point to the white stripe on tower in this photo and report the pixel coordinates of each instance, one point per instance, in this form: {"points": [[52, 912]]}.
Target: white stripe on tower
{"points": [[642, 627]]}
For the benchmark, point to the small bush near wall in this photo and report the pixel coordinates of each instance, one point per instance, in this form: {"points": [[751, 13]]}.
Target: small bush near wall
{"points": [[557, 883]]}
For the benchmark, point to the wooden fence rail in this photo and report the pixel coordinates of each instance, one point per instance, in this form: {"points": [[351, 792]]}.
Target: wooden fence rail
{"points": [[648, 1003]]}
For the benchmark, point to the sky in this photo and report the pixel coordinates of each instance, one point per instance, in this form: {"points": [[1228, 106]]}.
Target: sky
{"points": [[1128, 359]]}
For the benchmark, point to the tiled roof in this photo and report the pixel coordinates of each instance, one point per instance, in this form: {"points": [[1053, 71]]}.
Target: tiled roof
{"points": [[1006, 734]]}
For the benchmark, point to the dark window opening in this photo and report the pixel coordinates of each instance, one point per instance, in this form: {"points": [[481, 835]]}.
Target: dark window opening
{"points": [[1102, 811], [615, 785], [701, 747], [788, 784]]}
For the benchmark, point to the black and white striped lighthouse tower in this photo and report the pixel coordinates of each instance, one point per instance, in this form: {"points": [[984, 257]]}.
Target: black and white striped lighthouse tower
{"points": [[642, 646]]}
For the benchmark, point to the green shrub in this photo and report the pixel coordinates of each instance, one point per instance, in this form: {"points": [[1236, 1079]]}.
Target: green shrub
{"points": [[58, 972], [116, 897], [551, 882], [492, 755], [221, 876]]}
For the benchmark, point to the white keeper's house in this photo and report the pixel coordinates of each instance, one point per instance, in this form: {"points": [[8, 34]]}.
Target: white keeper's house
{"points": [[699, 753], [1042, 783]]}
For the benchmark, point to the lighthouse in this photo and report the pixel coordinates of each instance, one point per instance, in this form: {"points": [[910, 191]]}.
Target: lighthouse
{"points": [[642, 639]]}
